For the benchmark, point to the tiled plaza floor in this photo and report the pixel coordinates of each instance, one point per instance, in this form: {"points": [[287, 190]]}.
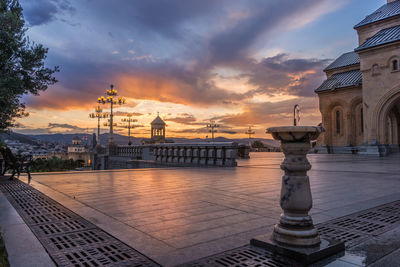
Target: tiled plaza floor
{"points": [[180, 214]]}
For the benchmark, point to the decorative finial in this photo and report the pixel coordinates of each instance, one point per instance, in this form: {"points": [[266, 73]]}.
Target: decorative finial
{"points": [[296, 114]]}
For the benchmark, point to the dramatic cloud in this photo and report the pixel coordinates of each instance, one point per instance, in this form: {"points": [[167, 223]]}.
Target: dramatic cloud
{"points": [[43, 11], [281, 74], [271, 113], [187, 119], [55, 127], [201, 54], [124, 114], [186, 78]]}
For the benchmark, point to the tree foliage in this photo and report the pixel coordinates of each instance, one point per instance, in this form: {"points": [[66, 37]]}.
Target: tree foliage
{"points": [[22, 69], [54, 164], [257, 144]]}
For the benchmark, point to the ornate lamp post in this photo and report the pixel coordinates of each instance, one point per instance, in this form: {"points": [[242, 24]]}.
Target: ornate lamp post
{"points": [[98, 113], [212, 127], [129, 126], [113, 100], [250, 132]]}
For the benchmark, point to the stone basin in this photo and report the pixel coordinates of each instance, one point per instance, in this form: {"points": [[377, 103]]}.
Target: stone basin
{"points": [[295, 133]]}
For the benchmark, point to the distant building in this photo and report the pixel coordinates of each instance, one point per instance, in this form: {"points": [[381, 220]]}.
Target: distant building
{"points": [[360, 99], [158, 130], [76, 146], [79, 152]]}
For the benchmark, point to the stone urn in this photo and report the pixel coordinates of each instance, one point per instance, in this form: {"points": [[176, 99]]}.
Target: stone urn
{"points": [[296, 227]]}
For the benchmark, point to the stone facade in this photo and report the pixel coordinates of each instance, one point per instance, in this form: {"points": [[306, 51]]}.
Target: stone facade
{"points": [[364, 116]]}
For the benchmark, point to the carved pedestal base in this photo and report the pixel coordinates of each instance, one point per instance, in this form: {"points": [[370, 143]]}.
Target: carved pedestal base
{"points": [[295, 234], [304, 255]]}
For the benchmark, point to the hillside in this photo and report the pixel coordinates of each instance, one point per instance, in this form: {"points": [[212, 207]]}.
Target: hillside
{"points": [[19, 137]]}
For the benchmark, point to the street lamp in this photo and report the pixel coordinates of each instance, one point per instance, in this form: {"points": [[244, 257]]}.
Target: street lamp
{"points": [[113, 100], [212, 127], [129, 126], [114, 124], [98, 113], [250, 132]]}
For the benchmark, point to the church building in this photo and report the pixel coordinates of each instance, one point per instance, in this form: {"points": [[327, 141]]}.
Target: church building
{"points": [[360, 99]]}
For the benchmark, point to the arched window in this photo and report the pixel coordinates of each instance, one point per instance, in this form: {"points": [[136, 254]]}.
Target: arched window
{"points": [[395, 65], [337, 121]]}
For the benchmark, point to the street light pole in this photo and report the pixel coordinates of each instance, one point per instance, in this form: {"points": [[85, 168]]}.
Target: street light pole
{"points": [[250, 132], [99, 115], [212, 127], [111, 93], [129, 126]]}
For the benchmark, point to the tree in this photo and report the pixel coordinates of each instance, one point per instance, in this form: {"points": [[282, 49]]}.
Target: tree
{"points": [[22, 68], [257, 144]]}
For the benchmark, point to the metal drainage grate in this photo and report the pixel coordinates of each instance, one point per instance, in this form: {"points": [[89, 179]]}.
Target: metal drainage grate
{"points": [[243, 256], [103, 255], [362, 225], [352, 230], [77, 239], [48, 218], [350, 238], [61, 227], [69, 239]]}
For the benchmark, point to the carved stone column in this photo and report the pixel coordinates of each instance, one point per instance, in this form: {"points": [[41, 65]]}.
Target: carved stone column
{"points": [[296, 226], [295, 235]]}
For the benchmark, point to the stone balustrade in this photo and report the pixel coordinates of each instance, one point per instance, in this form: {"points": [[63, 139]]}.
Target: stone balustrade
{"points": [[129, 151], [203, 154], [222, 154]]}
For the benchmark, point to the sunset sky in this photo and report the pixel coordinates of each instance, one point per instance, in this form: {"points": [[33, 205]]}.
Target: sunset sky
{"points": [[240, 62]]}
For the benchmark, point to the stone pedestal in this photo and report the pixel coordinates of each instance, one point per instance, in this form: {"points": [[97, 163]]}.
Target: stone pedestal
{"points": [[295, 235]]}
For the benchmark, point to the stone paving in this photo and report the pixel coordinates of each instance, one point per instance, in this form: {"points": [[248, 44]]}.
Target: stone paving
{"points": [[177, 215]]}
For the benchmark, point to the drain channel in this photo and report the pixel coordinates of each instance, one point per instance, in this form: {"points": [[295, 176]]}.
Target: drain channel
{"points": [[69, 239], [352, 230]]}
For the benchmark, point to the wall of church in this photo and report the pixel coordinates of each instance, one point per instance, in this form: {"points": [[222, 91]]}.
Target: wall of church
{"points": [[381, 88], [369, 30], [329, 73], [341, 116]]}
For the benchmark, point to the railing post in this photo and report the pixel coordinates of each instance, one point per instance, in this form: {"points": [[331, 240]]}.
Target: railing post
{"points": [[211, 156], [196, 155], [203, 155]]}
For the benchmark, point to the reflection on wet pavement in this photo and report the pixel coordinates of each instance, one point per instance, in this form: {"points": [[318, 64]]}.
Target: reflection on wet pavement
{"points": [[180, 214]]}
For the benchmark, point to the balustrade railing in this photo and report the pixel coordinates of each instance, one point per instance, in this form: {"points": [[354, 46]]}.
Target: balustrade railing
{"points": [[129, 151], [206, 154]]}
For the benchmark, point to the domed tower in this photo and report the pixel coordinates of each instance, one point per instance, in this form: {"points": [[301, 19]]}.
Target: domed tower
{"points": [[158, 130]]}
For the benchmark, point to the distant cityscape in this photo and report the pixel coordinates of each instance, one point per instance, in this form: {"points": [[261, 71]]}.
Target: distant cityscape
{"points": [[79, 146]]}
